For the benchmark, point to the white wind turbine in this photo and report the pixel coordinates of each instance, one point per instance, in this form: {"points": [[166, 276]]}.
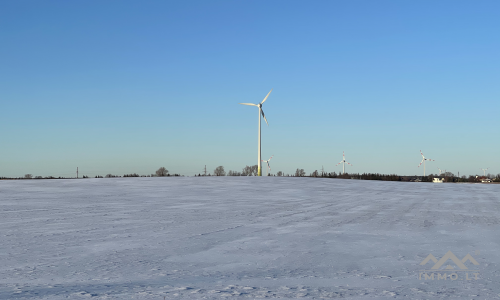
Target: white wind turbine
{"points": [[440, 171], [343, 162], [268, 166], [259, 170], [423, 160], [484, 171]]}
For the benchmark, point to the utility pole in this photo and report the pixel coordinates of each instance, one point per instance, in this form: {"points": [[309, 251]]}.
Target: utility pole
{"points": [[76, 172], [322, 171], [205, 170]]}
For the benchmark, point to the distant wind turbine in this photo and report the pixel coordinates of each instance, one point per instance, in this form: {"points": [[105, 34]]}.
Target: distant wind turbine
{"points": [[423, 160], [343, 162], [268, 166], [484, 171], [440, 171], [259, 164]]}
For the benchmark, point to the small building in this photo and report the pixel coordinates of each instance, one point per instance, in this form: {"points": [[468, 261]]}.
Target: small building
{"points": [[486, 180], [438, 180]]}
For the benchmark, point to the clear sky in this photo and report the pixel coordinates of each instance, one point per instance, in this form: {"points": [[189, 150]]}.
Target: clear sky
{"points": [[130, 86]]}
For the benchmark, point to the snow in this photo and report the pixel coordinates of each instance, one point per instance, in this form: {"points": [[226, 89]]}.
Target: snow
{"points": [[244, 237]]}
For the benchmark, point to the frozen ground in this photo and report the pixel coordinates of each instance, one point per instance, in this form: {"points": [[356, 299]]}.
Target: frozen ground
{"points": [[194, 238]]}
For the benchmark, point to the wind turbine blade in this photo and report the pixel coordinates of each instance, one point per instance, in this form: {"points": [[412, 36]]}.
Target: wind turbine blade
{"points": [[421, 162], [251, 104], [266, 96], [421, 153], [348, 163], [264, 117]]}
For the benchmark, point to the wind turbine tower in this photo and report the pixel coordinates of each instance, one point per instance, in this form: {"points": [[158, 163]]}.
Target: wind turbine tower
{"points": [[423, 160], [261, 112], [484, 171], [268, 166], [343, 162]]}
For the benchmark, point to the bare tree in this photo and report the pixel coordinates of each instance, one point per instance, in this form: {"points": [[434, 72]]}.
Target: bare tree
{"points": [[219, 171], [300, 173], [255, 170], [246, 171], [315, 173], [28, 176], [250, 170], [279, 173], [161, 172]]}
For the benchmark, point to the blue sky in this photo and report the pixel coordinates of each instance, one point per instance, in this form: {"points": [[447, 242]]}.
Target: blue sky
{"points": [[130, 86]]}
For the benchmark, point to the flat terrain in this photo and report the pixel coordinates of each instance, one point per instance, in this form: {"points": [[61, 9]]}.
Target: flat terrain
{"points": [[245, 237]]}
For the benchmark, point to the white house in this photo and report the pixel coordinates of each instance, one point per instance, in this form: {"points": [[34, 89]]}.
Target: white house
{"points": [[438, 180]]}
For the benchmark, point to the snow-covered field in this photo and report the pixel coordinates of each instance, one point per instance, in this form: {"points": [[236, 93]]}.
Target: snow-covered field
{"points": [[245, 237]]}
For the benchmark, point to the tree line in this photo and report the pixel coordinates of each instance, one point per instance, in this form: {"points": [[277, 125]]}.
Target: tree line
{"points": [[250, 171], [253, 170], [161, 172], [448, 176]]}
